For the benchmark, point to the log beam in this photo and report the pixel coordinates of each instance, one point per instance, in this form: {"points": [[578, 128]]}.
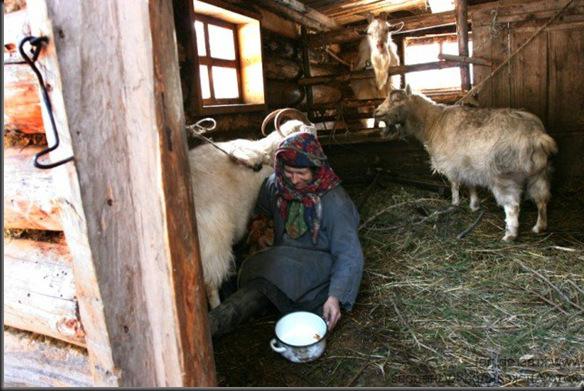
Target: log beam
{"points": [[34, 361], [129, 214], [39, 290], [396, 70], [22, 106], [411, 24], [465, 59], [22, 109], [30, 195], [15, 26], [301, 14]]}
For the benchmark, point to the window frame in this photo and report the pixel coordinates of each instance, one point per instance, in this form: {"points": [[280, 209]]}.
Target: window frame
{"points": [[209, 61], [249, 26], [441, 39]]}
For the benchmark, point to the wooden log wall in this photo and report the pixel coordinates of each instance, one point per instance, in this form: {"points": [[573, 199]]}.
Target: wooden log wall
{"points": [[30, 200], [545, 78], [34, 361], [22, 109], [40, 297], [39, 290], [282, 69], [282, 64]]}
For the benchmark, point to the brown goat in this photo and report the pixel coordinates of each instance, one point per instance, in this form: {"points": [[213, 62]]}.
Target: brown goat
{"points": [[501, 149]]}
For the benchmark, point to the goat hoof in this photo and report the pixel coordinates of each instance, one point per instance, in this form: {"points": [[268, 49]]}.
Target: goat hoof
{"points": [[537, 229], [475, 208], [509, 237]]}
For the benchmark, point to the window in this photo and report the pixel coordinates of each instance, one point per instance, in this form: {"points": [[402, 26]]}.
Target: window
{"points": [[229, 73], [218, 61], [426, 49]]}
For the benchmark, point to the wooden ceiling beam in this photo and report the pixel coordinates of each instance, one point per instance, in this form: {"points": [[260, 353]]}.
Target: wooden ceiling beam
{"points": [[411, 24], [303, 15], [376, 7]]}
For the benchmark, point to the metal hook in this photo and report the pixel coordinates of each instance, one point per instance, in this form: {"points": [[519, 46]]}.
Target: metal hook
{"points": [[37, 45]]}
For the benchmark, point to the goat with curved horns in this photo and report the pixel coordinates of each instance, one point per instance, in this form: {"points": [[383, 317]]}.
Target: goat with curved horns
{"points": [[225, 192]]}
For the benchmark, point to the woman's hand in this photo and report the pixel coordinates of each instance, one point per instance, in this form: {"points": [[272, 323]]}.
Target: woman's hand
{"points": [[331, 312]]}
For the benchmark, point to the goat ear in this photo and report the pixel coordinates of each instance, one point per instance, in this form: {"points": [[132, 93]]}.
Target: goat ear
{"points": [[370, 17], [408, 90]]}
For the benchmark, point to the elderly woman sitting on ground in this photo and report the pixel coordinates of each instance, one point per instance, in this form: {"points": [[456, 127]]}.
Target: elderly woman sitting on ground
{"points": [[316, 262]]}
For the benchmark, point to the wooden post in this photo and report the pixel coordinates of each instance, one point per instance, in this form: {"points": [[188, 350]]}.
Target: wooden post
{"points": [[306, 68], [461, 11], [129, 214], [401, 52]]}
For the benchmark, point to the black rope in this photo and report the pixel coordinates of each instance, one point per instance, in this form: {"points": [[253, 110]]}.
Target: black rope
{"points": [[37, 45]]}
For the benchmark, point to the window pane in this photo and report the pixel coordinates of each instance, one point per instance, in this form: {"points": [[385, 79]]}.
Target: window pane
{"points": [[204, 77], [225, 83], [436, 78], [200, 33], [221, 42]]}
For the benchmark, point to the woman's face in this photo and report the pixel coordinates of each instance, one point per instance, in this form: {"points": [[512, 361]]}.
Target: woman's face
{"points": [[300, 177]]}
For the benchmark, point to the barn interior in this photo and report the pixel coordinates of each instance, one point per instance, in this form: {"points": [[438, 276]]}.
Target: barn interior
{"points": [[92, 297]]}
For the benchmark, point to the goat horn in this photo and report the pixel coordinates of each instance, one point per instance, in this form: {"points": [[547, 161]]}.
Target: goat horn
{"points": [[292, 114], [268, 119], [400, 28]]}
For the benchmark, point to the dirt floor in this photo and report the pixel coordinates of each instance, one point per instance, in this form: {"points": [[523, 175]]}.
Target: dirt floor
{"points": [[436, 310]]}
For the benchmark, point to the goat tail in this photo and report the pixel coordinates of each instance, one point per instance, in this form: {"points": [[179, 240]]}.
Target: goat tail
{"points": [[541, 148], [547, 144]]}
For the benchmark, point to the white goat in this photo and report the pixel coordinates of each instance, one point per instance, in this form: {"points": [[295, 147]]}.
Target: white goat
{"points": [[502, 149], [378, 50], [383, 52], [225, 193]]}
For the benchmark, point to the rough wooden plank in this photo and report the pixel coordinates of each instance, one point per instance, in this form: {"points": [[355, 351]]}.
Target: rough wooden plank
{"points": [[30, 195], [367, 74], [39, 290], [22, 107], [184, 291], [529, 70], [308, 17], [15, 27], [34, 361], [406, 158], [350, 16], [130, 212], [566, 84], [281, 93], [280, 68], [511, 11], [411, 23], [482, 48], [73, 216], [568, 164], [276, 24], [501, 82]]}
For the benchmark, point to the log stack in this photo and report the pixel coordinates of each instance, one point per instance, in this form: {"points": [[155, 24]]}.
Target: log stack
{"points": [[44, 342]]}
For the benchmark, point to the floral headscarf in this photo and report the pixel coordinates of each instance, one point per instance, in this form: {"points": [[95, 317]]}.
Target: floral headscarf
{"points": [[301, 209]]}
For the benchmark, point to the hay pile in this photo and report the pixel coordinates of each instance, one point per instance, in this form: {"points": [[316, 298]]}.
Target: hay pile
{"points": [[440, 311]]}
